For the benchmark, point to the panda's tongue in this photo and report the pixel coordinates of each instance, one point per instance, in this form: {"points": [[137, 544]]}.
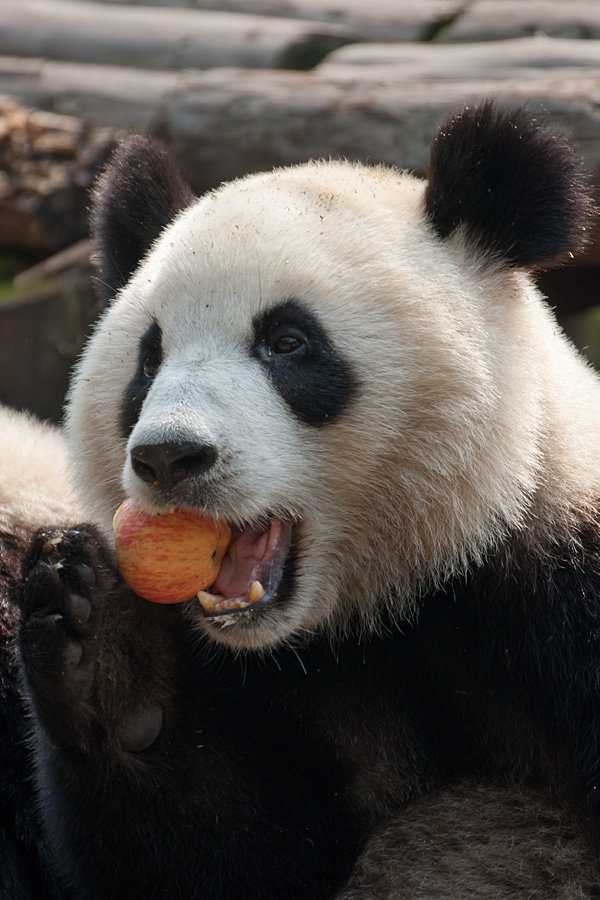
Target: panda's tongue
{"points": [[241, 562], [254, 555]]}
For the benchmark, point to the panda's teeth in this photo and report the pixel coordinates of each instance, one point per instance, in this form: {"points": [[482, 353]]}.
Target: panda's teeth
{"points": [[210, 602], [213, 603], [256, 592]]}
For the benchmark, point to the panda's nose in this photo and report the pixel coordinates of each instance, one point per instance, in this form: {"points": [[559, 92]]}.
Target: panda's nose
{"points": [[164, 465]]}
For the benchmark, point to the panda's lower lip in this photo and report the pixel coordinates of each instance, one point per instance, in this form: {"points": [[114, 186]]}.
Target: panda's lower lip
{"points": [[252, 570]]}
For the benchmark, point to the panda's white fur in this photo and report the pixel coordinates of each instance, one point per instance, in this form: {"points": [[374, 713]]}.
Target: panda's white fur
{"points": [[474, 418], [35, 486]]}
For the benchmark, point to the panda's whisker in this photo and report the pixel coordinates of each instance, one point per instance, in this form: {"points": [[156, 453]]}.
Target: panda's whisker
{"points": [[298, 657], [95, 278]]}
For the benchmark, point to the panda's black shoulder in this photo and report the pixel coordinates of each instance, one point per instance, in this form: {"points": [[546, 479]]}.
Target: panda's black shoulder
{"points": [[531, 623]]}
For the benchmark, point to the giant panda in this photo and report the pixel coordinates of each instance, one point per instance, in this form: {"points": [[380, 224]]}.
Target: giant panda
{"points": [[355, 370]]}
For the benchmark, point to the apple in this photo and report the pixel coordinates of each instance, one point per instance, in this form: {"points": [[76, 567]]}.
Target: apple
{"points": [[170, 556]]}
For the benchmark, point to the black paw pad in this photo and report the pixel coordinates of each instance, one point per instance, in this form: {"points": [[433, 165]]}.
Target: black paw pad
{"points": [[80, 608], [140, 728], [85, 575], [73, 653]]}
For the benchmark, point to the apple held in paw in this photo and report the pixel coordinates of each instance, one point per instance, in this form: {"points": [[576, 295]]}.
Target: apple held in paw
{"points": [[168, 558]]}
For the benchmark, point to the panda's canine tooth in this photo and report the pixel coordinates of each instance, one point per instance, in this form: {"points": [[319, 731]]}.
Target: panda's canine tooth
{"points": [[209, 602], [256, 592]]}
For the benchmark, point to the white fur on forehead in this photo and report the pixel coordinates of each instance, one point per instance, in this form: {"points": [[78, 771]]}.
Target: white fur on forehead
{"points": [[318, 232], [324, 204], [463, 427]]}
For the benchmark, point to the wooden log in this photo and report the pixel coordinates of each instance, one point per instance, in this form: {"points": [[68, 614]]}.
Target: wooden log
{"points": [[84, 31], [509, 59], [43, 329], [47, 165], [225, 122], [385, 20], [490, 20], [119, 96], [73, 260]]}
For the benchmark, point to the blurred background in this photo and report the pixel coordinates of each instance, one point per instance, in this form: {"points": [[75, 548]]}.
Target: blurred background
{"points": [[236, 86]]}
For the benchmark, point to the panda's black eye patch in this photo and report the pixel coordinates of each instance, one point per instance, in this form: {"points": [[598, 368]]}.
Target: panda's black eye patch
{"points": [[149, 359], [305, 367]]}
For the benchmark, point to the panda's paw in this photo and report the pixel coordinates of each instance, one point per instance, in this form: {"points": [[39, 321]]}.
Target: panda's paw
{"points": [[67, 574], [85, 642]]}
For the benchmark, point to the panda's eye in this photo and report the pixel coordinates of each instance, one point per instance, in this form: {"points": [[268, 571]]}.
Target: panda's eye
{"points": [[149, 367], [287, 341]]}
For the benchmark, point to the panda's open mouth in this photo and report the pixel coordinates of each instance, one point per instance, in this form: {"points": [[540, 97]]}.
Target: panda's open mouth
{"points": [[252, 569]]}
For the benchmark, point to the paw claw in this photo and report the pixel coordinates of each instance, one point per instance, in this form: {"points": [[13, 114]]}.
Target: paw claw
{"points": [[51, 545], [47, 569], [51, 620]]}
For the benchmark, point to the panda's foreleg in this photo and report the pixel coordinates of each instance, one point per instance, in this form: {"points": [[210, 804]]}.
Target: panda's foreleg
{"points": [[97, 669], [162, 770]]}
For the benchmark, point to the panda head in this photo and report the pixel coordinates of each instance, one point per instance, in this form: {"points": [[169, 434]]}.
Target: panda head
{"points": [[328, 357]]}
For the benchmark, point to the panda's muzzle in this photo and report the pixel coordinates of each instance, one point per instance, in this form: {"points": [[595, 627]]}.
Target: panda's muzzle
{"points": [[252, 568]]}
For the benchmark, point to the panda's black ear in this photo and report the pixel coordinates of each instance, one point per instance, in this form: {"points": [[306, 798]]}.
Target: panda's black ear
{"points": [[516, 190], [136, 196]]}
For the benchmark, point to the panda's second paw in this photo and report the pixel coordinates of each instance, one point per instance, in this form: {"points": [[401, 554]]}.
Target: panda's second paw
{"points": [[68, 573]]}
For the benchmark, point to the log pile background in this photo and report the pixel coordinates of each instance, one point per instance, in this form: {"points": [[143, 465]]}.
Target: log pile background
{"points": [[235, 86]]}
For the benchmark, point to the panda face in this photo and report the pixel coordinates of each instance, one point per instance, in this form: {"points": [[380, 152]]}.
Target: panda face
{"points": [[264, 366], [329, 358], [220, 422]]}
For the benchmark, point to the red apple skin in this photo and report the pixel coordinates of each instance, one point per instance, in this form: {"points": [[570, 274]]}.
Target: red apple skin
{"points": [[168, 558]]}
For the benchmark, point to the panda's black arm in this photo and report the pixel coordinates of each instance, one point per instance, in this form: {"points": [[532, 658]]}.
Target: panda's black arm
{"points": [[513, 652], [163, 769], [23, 870]]}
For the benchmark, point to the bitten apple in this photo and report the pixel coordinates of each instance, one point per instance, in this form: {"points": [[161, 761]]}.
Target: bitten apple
{"points": [[169, 557]]}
